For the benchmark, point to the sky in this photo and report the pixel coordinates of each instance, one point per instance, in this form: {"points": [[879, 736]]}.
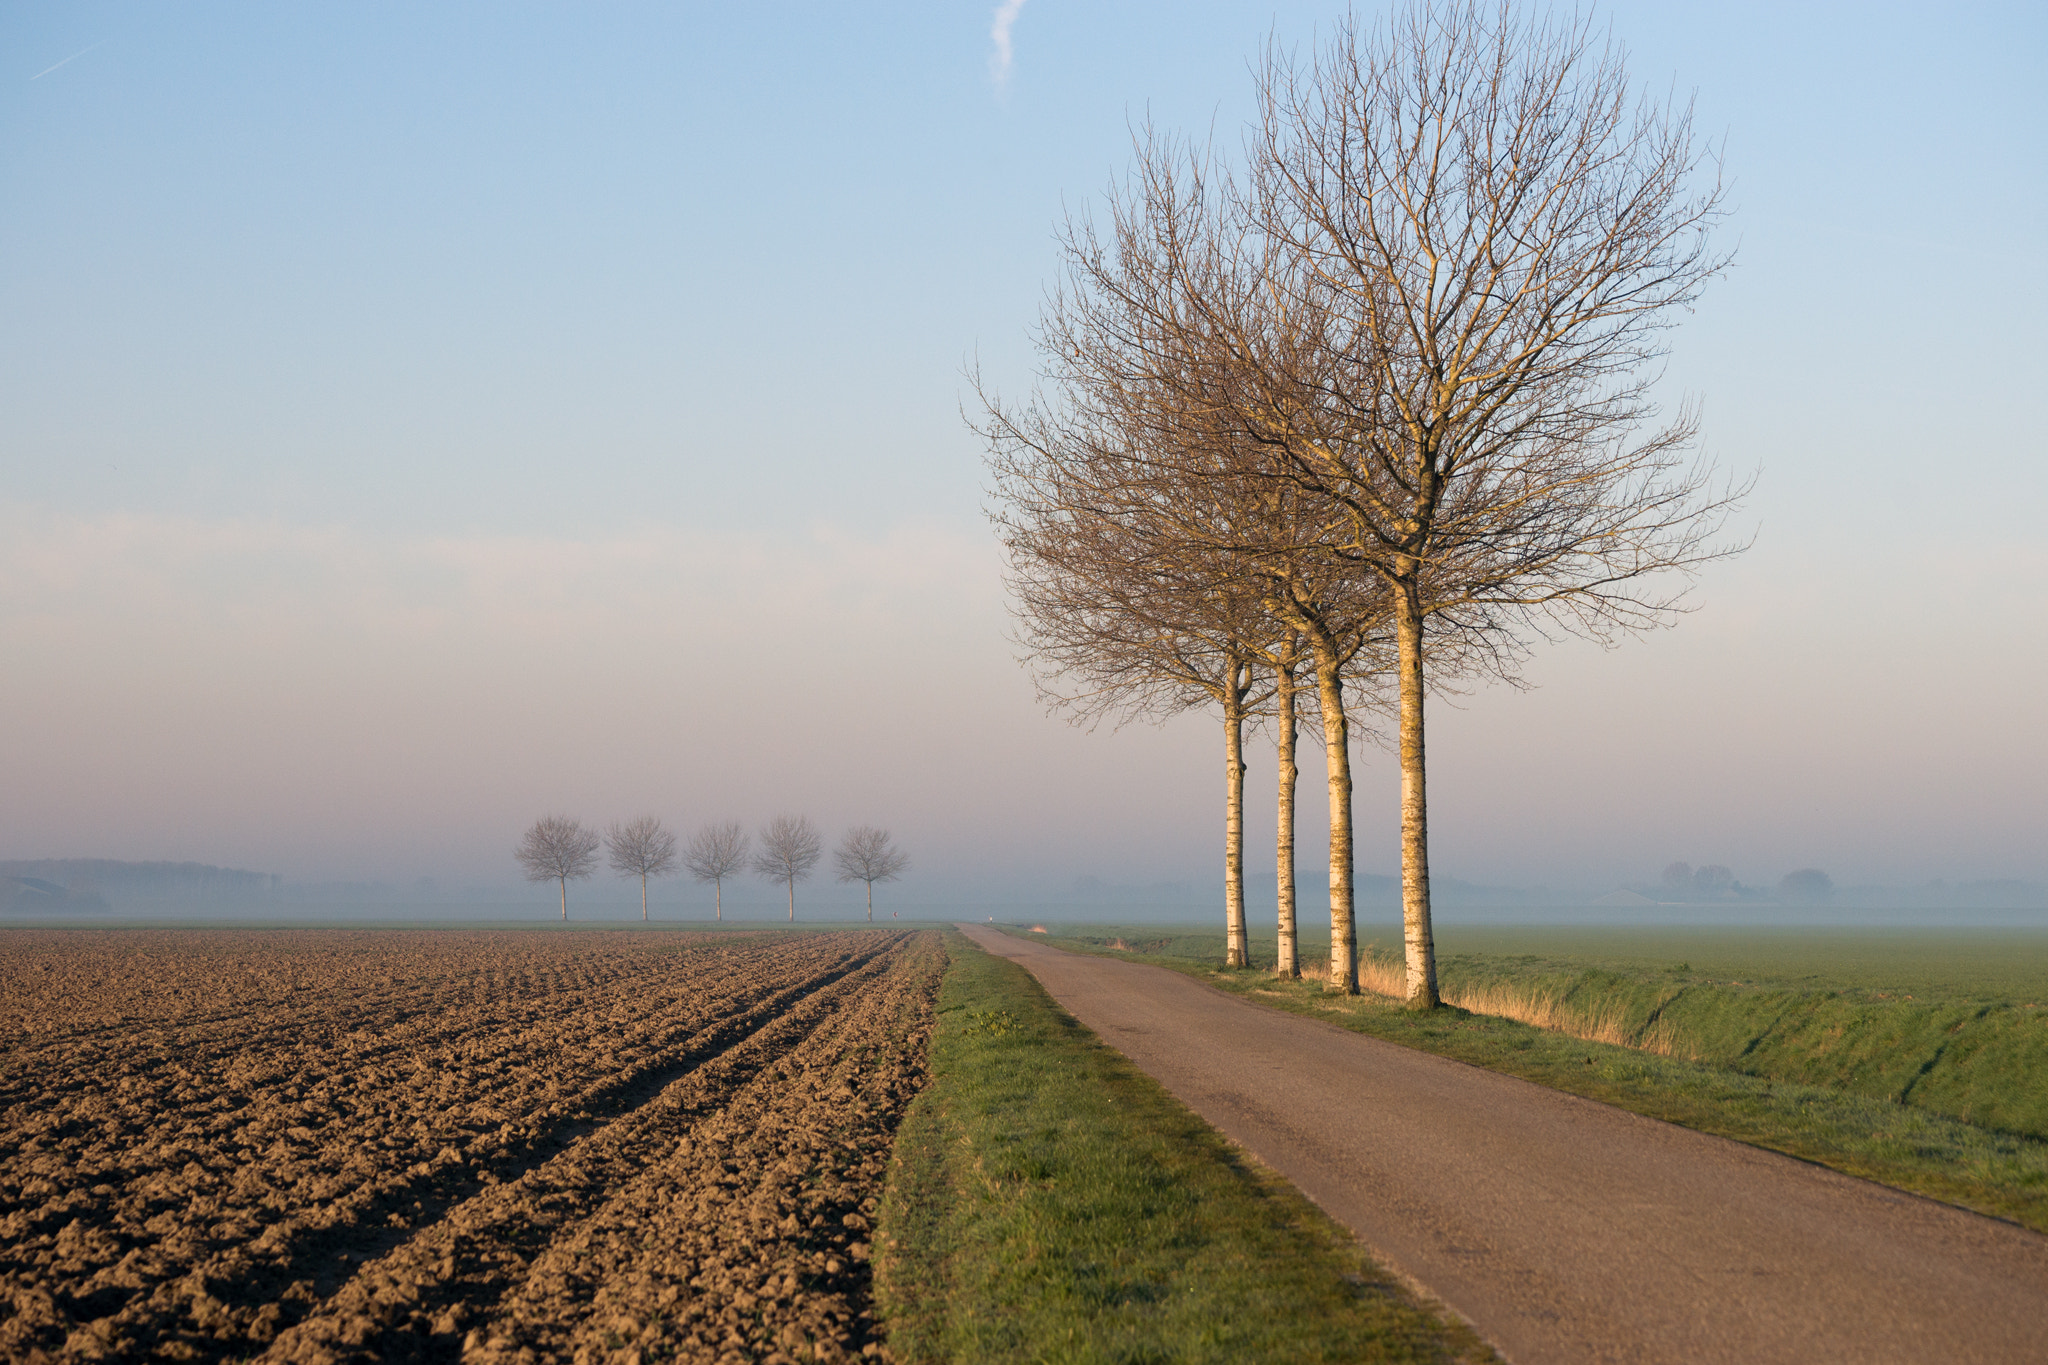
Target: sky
{"points": [[416, 419]]}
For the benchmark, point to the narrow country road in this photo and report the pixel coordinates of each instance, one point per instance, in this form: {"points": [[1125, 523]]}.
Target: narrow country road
{"points": [[1568, 1231]]}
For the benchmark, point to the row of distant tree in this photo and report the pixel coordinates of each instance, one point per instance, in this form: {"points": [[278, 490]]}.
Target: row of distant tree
{"points": [[1714, 882], [562, 849]]}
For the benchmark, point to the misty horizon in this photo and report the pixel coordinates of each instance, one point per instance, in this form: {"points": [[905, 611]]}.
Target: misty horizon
{"points": [[1082, 898]]}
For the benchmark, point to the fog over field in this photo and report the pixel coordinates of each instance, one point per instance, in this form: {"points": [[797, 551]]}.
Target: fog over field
{"points": [[416, 422]]}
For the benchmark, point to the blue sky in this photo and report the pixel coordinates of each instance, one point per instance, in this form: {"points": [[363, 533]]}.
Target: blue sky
{"points": [[416, 418]]}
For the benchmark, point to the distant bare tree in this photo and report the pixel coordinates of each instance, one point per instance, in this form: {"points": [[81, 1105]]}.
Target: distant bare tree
{"points": [[790, 847], [715, 853], [643, 849], [868, 855], [557, 849]]}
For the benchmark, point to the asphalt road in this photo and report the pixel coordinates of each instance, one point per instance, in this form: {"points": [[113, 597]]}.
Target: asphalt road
{"points": [[1562, 1229]]}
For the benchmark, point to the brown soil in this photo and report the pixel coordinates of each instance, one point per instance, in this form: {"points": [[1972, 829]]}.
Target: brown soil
{"points": [[327, 1145]]}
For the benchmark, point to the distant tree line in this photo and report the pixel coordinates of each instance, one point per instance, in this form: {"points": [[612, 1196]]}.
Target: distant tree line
{"points": [[562, 849], [87, 877], [1365, 411], [1682, 881]]}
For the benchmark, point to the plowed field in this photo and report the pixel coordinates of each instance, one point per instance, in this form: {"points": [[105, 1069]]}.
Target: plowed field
{"points": [[326, 1145]]}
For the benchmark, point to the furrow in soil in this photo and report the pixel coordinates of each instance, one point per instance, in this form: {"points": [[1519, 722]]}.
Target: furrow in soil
{"points": [[331, 1180]]}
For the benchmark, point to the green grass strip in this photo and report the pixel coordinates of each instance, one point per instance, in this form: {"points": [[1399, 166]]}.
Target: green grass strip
{"points": [[1871, 1136], [1048, 1202]]}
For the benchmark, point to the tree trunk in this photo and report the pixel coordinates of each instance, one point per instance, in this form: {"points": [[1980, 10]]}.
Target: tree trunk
{"points": [[792, 900], [1289, 963], [1337, 755], [1236, 951], [643, 899], [565, 900], [718, 899], [1416, 931], [871, 902]]}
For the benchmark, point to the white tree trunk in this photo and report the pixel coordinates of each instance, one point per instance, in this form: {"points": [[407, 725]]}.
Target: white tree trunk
{"points": [[643, 899], [718, 899], [1416, 931], [1337, 756], [1289, 962], [871, 902], [565, 900], [792, 900], [1237, 950]]}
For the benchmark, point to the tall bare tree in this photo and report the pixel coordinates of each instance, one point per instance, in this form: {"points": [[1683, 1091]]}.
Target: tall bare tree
{"points": [[641, 848], [1435, 308], [1117, 618], [715, 853], [557, 849], [869, 855], [790, 848], [1144, 447], [1125, 463], [1486, 235]]}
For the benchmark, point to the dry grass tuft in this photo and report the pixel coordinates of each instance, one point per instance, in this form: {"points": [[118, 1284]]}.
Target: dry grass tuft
{"points": [[1535, 1006], [1382, 977]]}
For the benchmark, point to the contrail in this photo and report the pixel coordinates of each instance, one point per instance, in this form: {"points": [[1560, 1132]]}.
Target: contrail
{"points": [[103, 42], [1006, 16]]}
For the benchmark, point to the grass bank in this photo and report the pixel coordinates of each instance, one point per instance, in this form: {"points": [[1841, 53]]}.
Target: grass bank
{"points": [[1982, 1061], [1944, 1094], [1049, 1202]]}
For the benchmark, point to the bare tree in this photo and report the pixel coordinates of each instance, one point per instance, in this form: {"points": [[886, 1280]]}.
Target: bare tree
{"points": [[715, 853], [1434, 308], [869, 855], [1157, 458], [1143, 466], [642, 848], [790, 847], [1486, 235], [556, 849], [1120, 620]]}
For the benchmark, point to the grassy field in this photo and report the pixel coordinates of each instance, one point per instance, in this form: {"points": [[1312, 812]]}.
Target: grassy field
{"points": [[1910, 1058], [1963, 964], [1973, 964], [1047, 1202]]}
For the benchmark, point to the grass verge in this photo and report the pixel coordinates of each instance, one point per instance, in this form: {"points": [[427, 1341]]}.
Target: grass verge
{"points": [[1048, 1202], [1872, 1136]]}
